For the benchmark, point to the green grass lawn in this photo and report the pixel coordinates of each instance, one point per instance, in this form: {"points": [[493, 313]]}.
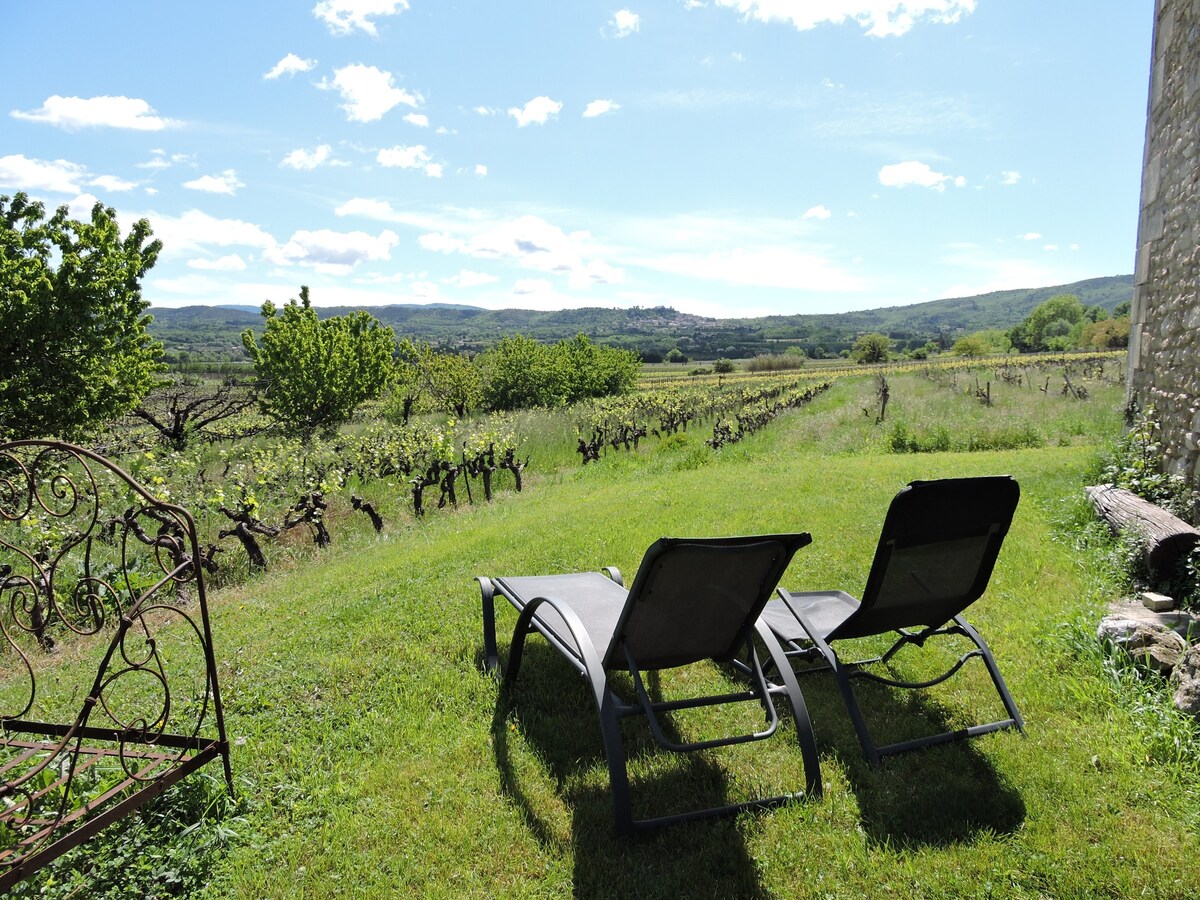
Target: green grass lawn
{"points": [[375, 758], [378, 759]]}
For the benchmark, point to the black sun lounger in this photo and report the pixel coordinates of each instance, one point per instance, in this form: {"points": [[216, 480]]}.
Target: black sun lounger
{"points": [[691, 600], [935, 555]]}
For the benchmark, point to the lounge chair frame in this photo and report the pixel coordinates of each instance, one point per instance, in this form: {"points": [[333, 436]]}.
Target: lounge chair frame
{"points": [[995, 500], [579, 648], [89, 555]]}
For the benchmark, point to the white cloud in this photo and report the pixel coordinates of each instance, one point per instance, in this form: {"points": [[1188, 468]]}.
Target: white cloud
{"points": [[290, 65], [469, 279], [345, 16], [307, 160], [415, 157], [160, 160], [72, 113], [371, 209], [368, 92], [481, 169], [1051, 248], [230, 263], [333, 252], [880, 18], [916, 173], [817, 212], [112, 183], [195, 230], [25, 174], [531, 243], [1030, 236], [624, 23], [400, 157], [599, 108], [421, 121], [532, 287], [426, 290], [225, 183], [486, 111], [1007, 178], [536, 111]]}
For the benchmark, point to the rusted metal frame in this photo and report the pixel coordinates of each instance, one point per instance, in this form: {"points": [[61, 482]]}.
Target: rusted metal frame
{"points": [[80, 756], [91, 827], [90, 757], [92, 732]]}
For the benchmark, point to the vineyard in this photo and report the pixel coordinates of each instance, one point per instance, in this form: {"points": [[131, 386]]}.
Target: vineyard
{"points": [[259, 496]]}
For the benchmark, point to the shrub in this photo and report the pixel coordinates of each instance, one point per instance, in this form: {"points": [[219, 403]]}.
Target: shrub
{"points": [[1134, 462], [775, 362], [871, 348]]}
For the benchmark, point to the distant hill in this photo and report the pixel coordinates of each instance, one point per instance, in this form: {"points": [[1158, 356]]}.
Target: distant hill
{"points": [[214, 332]]}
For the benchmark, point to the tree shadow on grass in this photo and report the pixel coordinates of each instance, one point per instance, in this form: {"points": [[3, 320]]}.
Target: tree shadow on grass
{"points": [[937, 796], [552, 709]]}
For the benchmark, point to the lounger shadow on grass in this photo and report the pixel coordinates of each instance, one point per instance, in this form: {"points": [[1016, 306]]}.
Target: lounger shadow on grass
{"points": [[947, 795], [548, 712]]}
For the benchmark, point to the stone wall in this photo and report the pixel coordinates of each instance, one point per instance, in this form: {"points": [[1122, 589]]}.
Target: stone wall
{"points": [[1164, 345]]}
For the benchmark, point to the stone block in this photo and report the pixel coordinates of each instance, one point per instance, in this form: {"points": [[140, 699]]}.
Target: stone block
{"points": [[1156, 602]]}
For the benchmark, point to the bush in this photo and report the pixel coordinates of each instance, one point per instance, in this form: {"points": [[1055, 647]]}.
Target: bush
{"points": [[902, 439], [871, 348], [1135, 462], [519, 372], [775, 362]]}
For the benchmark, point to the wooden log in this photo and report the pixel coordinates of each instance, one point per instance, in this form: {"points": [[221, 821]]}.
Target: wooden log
{"points": [[1167, 538]]}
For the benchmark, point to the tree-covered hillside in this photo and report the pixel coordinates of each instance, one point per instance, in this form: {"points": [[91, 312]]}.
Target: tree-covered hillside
{"points": [[213, 332]]}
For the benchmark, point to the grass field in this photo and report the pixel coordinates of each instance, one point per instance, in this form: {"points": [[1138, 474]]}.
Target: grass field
{"points": [[375, 758]]}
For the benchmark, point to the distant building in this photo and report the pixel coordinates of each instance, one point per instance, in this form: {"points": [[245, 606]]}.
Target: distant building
{"points": [[1164, 343]]}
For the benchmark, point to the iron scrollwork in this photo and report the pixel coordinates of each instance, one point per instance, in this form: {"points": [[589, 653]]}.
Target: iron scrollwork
{"points": [[92, 561]]}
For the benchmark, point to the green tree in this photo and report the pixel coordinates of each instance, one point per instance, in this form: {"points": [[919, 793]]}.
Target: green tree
{"points": [[871, 348], [592, 370], [675, 355], [453, 383], [970, 346], [1107, 334], [519, 372], [1031, 334], [316, 372], [405, 386], [74, 350]]}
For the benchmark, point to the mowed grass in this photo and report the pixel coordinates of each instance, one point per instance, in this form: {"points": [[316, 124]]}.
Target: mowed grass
{"points": [[375, 758], [380, 761]]}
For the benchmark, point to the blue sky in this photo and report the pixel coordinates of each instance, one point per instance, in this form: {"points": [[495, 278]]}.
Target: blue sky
{"points": [[725, 157]]}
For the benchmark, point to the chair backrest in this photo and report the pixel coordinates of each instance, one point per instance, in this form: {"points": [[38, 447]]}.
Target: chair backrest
{"points": [[695, 599], [935, 555]]}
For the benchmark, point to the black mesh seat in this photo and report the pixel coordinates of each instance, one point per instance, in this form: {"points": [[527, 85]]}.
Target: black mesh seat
{"points": [[935, 556], [691, 600]]}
